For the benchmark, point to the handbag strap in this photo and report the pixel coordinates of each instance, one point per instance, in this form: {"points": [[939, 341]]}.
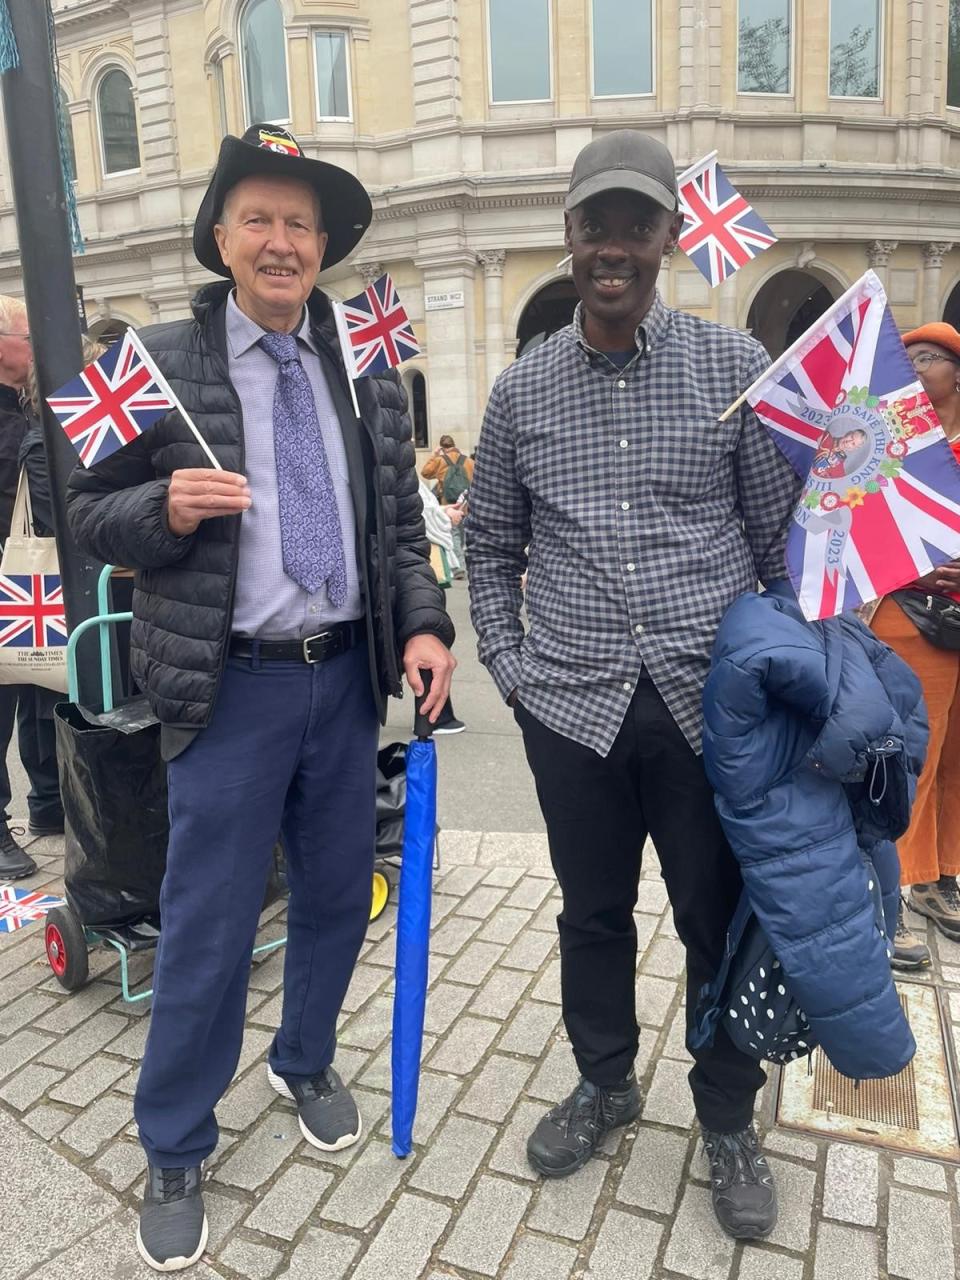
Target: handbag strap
{"points": [[21, 521]]}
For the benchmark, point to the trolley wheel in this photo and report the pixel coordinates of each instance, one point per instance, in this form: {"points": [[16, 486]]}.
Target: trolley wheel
{"points": [[381, 894], [66, 946]]}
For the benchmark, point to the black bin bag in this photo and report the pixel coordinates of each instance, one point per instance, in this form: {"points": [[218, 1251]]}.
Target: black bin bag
{"points": [[391, 798], [114, 787]]}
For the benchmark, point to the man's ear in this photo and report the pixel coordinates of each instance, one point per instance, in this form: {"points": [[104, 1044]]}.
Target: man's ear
{"points": [[324, 239], [567, 232], [220, 235], [673, 235]]}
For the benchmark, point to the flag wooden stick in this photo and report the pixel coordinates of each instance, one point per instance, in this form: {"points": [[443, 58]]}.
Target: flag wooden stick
{"points": [[873, 282], [346, 351], [168, 391]]}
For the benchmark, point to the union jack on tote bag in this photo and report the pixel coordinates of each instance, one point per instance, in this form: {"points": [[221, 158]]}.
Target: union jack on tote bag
{"points": [[880, 505], [33, 624]]}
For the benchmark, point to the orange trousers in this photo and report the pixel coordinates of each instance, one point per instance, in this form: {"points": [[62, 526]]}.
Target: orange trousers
{"points": [[931, 846]]}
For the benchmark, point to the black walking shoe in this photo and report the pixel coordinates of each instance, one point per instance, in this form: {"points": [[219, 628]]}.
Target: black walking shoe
{"points": [[15, 863], [567, 1136], [744, 1197], [329, 1118], [173, 1225]]}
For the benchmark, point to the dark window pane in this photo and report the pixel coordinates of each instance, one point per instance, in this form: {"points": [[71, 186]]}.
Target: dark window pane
{"points": [[855, 48], [520, 50], [763, 60], [622, 47], [264, 61], [118, 123], [333, 99], [418, 407], [953, 56]]}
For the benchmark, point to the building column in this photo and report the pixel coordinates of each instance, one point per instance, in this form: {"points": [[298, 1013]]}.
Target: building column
{"points": [[492, 261], [933, 255], [448, 280], [878, 257], [435, 60]]}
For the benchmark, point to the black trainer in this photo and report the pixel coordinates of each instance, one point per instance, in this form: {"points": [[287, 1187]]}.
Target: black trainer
{"points": [[744, 1197], [173, 1225], [567, 1136], [15, 863], [328, 1115]]}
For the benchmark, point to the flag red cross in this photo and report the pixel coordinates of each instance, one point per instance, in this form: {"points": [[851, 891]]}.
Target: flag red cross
{"points": [[112, 402], [32, 610], [714, 223], [381, 328]]}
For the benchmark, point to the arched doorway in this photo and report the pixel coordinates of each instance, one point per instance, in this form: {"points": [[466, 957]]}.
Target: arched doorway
{"points": [[786, 306], [951, 312], [550, 309], [109, 330]]}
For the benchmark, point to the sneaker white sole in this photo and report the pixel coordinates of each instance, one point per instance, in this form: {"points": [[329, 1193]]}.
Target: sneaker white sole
{"points": [[280, 1086], [174, 1264]]}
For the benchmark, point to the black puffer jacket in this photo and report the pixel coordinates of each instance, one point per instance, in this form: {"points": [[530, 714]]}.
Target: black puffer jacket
{"points": [[183, 601]]}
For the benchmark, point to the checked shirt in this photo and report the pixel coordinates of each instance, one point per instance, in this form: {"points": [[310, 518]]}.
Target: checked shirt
{"points": [[637, 517]]}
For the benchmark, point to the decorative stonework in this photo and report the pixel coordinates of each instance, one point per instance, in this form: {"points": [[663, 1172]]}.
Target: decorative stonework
{"points": [[879, 251], [368, 272], [935, 252], [492, 261]]}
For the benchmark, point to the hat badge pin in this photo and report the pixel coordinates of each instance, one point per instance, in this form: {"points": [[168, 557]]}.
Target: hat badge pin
{"points": [[279, 140]]}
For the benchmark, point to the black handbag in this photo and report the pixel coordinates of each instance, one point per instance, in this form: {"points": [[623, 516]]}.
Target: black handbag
{"points": [[937, 618]]}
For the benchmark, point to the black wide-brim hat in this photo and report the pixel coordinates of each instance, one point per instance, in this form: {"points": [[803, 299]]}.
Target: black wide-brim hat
{"points": [[266, 150]]}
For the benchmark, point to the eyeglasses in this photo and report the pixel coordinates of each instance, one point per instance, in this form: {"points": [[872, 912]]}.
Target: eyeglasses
{"points": [[926, 358]]}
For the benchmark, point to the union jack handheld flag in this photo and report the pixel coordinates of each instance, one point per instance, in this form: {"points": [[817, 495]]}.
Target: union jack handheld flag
{"points": [[31, 611], [112, 401], [880, 505], [721, 231], [375, 331]]}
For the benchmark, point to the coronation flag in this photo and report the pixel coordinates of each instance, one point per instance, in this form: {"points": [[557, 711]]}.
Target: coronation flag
{"points": [[721, 231], [112, 401], [375, 331], [31, 611], [880, 505], [19, 907]]}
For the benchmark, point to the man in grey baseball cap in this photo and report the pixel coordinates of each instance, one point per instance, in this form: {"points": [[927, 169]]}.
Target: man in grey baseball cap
{"points": [[631, 561]]}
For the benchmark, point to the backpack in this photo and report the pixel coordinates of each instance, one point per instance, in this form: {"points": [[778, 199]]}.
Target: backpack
{"points": [[455, 481]]}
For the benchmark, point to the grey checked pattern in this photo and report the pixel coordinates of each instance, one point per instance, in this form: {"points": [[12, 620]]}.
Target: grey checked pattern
{"points": [[637, 517], [310, 529]]}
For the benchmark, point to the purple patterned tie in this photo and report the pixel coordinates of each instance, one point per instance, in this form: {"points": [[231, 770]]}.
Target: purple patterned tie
{"points": [[310, 532]]}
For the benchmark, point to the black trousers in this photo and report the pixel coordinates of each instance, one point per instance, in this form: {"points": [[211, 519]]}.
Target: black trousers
{"points": [[599, 811], [37, 743]]}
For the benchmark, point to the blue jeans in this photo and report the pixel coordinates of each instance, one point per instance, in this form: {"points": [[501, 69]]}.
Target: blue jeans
{"points": [[291, 748]]}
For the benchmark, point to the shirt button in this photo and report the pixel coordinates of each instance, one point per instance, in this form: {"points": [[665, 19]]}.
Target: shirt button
{"points": [[627, 687], [624, 444], [631, 568], [639, 628], [314, 609], [624, 506], [622, 383]]}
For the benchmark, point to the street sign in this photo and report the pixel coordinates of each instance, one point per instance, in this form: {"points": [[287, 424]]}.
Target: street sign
{"points": [[443, 301]]}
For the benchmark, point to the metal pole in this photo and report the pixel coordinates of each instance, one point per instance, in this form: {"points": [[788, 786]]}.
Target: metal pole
{"points": [[50, 288]]}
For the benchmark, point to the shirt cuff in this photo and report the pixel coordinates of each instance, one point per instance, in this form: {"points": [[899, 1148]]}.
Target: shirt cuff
{"points": [[505, 669]]}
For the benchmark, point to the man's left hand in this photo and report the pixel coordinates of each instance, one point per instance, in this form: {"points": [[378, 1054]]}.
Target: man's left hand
{"points": [[428, 653]]}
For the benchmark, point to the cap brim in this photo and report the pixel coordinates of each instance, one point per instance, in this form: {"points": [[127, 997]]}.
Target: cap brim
{"points": [[622, 180], [347, 211]]}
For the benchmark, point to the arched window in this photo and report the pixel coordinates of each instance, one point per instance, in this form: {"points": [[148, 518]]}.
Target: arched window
{"points": [[120, 147], [264, 57], [71, 174]]}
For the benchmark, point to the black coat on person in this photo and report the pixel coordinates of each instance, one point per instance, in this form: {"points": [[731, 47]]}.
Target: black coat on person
{"points": [[184, 587]]}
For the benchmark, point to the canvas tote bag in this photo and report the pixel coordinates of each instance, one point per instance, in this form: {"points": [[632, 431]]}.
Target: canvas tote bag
{"points": [[33, 627]]}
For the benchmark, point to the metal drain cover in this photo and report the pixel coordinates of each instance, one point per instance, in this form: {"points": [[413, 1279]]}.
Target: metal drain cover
{"points": [[913, 1111]]}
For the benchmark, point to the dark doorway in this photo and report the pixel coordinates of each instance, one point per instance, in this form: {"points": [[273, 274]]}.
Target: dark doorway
{"points": [[547, 311], [951, 312], [785, 307], [108, 331], [418, 410]]}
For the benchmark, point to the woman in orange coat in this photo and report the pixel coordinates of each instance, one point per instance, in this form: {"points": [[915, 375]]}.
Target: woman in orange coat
{"points": [[930, 850]]}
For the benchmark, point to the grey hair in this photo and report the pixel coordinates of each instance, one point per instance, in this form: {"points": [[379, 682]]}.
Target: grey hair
{"points": [[92, 350], [11, 309]]}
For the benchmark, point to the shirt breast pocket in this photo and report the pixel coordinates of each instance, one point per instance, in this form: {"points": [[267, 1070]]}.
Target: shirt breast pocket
{"points": [[689, 460]]}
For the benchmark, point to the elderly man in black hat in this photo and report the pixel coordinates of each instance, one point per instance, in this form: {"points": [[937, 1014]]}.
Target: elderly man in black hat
{"points": [[278, 602]]}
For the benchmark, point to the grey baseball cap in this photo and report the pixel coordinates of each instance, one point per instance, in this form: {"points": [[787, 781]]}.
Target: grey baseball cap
{"points": [[624, 160]]}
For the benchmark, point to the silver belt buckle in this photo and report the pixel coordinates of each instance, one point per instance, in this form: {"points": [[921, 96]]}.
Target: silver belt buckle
{"points": [[321, 635]]}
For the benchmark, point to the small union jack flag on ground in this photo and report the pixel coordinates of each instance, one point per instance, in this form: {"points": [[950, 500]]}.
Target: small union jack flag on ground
{"points": [[22, 906], [112, 401], [376, 332], [31, 611], [721, 231]]}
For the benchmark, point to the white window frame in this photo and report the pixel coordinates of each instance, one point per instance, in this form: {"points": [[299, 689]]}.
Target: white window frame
{"points": [[881, 36], [519, 102], [791, 90], [348, 58], [220, 93], [108, 176], [648, 93], [946, 73], [247, 119]]}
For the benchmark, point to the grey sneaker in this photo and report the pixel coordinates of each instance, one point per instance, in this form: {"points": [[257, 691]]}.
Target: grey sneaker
{"points": [[744, 1197], [939, 902], [567, 1136], [909, 951], [173, 1225], [329, 1118]]}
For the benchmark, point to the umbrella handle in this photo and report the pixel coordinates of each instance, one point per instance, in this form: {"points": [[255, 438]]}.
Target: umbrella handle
{"points": [[422, 727]]}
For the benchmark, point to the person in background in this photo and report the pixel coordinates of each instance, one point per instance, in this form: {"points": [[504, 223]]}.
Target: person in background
{"points": [[35, 734], [453, 473], [930, 850], [440, 523]]}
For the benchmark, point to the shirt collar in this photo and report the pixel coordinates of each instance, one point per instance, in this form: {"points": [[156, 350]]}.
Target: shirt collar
{"points": [[650, 331], [244, 333]]}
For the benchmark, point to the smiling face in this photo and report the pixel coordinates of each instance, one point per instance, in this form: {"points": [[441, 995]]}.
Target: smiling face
{"points": [[618, 240], [271, 237]]}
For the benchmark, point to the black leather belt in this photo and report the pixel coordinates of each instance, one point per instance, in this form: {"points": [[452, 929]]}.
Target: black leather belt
{"points": [[329, 643]]}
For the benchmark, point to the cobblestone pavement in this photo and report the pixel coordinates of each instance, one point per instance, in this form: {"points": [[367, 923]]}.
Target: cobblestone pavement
{"points": [[465, 1204]]}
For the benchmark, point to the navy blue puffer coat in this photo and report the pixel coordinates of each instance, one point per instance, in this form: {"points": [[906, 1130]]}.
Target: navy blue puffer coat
{"points": [[814, 736]]}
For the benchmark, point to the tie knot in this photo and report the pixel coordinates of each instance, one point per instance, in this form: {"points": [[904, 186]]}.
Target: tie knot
{"points": [[282, 347]]}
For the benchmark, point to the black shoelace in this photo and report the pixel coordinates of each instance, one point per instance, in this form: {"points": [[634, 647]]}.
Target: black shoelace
{"points": [[173, 1183], [735, 1159], [595, 1110]]}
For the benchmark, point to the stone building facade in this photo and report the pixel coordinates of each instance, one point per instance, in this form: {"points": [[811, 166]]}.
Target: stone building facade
{"points": [[838, 119]]}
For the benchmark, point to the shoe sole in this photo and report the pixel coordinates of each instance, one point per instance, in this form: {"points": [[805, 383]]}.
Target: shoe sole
{"points": [[19, 875], [748, 1233], [448, 732], [280, 1086], [952, 934], [173, 1264], [585, 1156], [910, 966]]}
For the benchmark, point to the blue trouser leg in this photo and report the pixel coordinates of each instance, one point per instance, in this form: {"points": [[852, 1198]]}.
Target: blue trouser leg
{"points": [[254, 770]]}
